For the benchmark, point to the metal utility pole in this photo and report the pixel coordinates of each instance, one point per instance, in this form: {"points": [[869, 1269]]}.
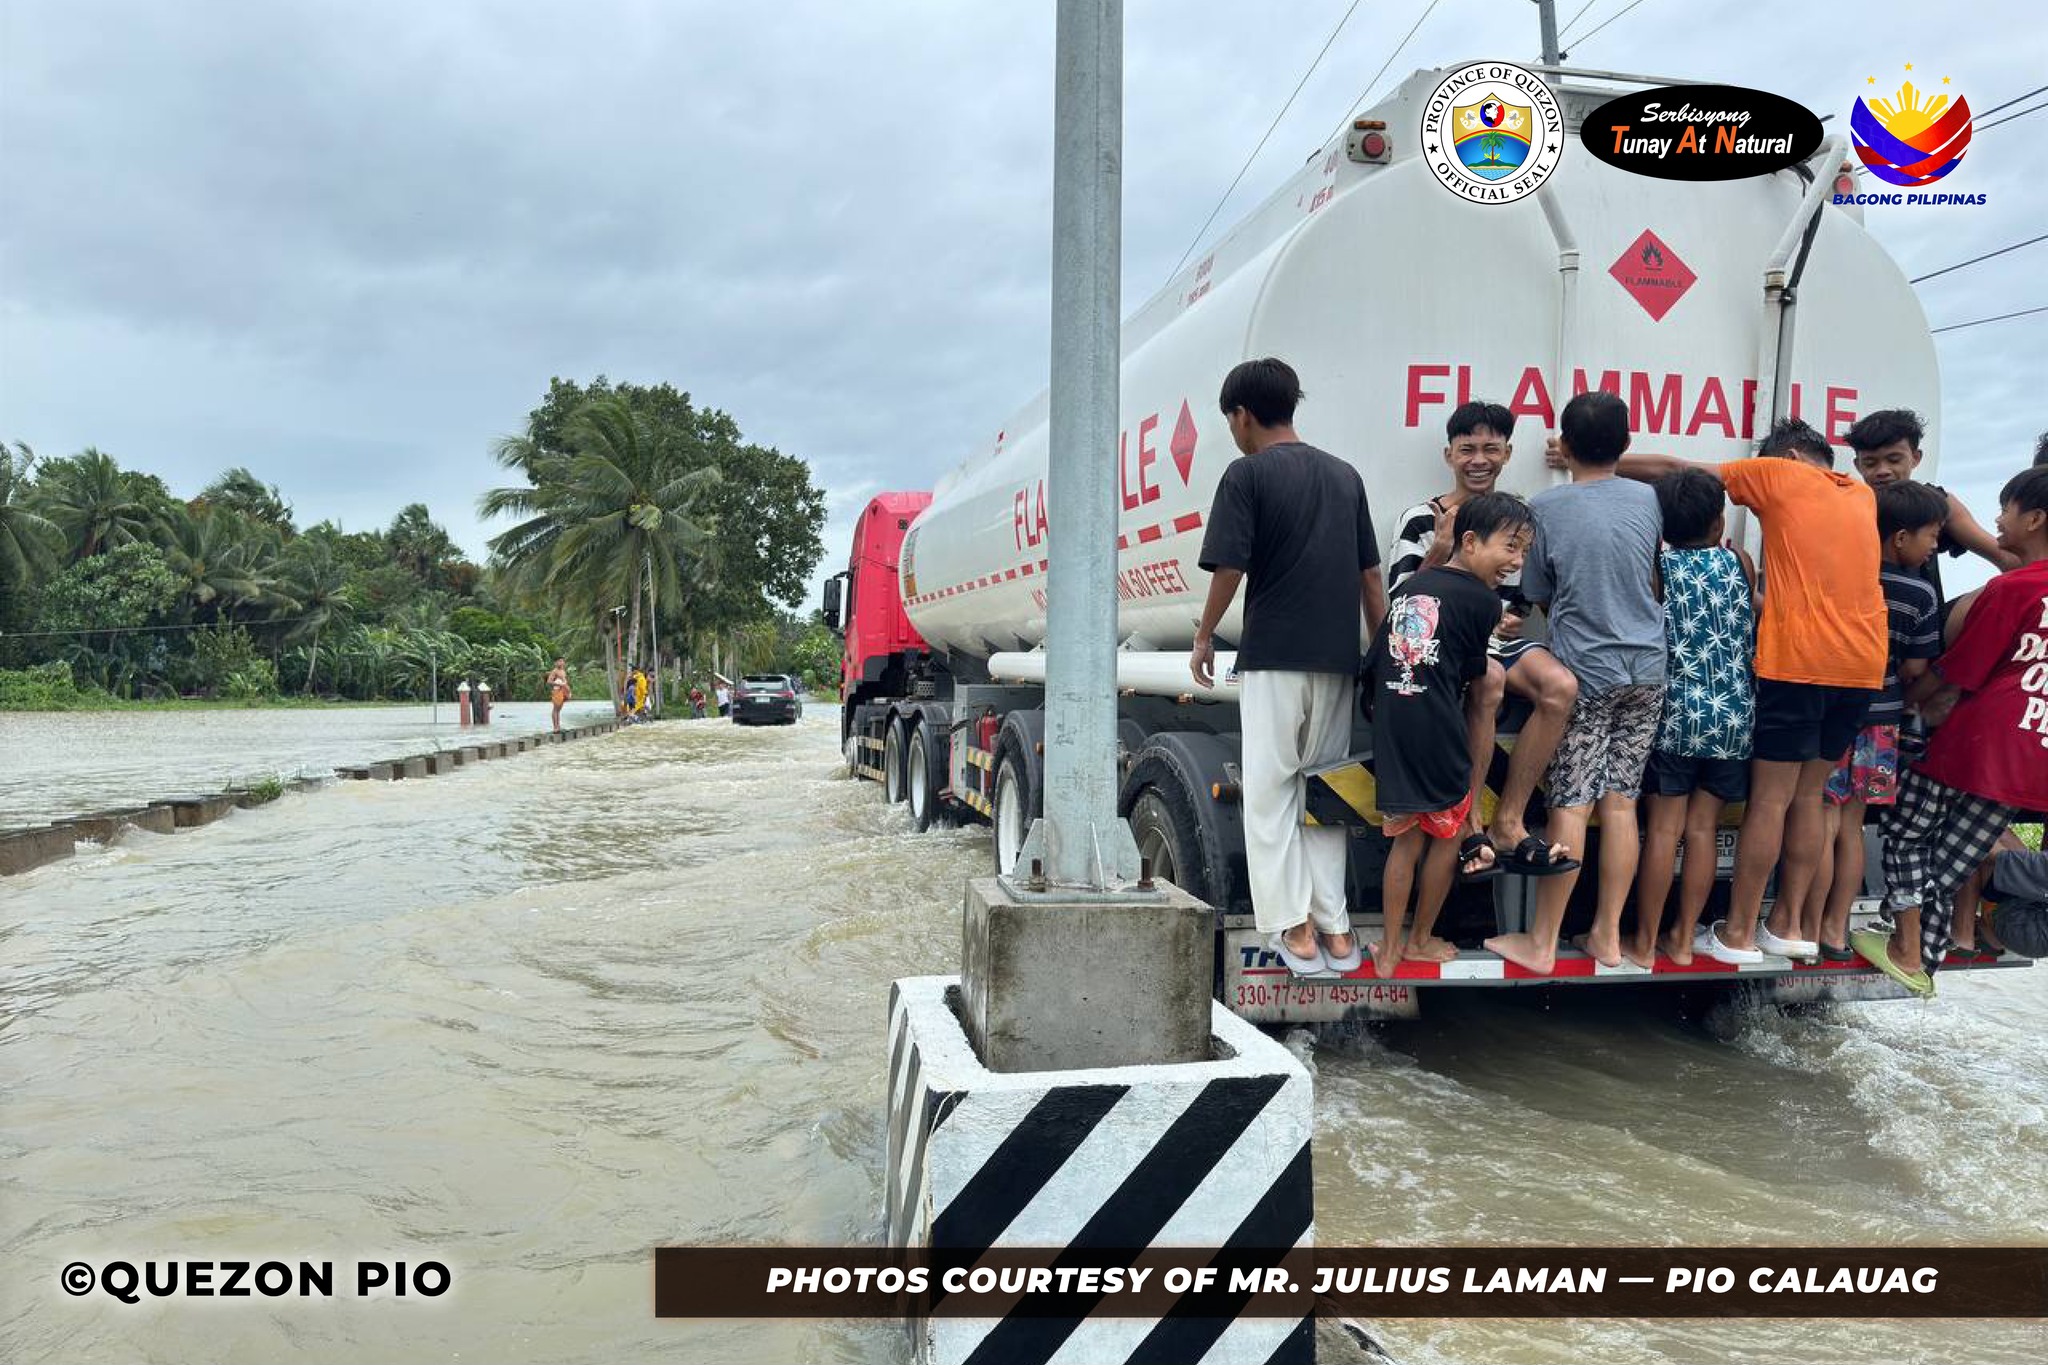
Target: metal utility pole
{"points": [[1546, 11], [1085, 844]]}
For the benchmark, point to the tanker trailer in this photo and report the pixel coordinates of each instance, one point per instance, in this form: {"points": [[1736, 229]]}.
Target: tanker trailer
{"points": [[1710, 308]]}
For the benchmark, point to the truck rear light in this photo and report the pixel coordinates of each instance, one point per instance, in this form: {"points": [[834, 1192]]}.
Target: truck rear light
{"points": [[1367, 141]]}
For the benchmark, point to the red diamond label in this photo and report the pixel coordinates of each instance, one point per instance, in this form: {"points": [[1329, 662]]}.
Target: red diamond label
{"points": [[1182, 446], [1652, 274]]}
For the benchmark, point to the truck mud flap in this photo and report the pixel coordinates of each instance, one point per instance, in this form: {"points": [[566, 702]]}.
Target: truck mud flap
{"points": [[1257, 986]]}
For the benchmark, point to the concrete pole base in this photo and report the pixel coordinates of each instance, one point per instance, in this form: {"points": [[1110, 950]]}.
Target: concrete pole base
{"points": [[1049, 984], [1202, 1154]]}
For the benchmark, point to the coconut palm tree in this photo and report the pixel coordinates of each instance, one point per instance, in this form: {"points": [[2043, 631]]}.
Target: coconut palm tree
{"points": [[93, 503], [237, 490], [315, 582], [612, 513], [29, 541], [219, 557]]}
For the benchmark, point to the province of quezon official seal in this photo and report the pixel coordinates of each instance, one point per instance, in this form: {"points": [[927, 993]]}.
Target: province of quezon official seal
{"points": [[1492, 132]]}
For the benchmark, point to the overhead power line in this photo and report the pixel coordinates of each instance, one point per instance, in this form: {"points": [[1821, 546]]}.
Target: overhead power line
{"points": [[1561, 33], [2001, 122], [146, 630], [1979, 322], [1974, 259], [1239, 177], [2037, 90], [1604, 22], [1366, 94]]}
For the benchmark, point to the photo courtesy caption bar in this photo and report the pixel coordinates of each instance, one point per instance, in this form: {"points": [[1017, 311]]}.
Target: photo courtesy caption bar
{"points": [[1193, 1283]]}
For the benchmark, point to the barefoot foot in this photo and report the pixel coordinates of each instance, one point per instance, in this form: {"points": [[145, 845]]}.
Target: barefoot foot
{"points": [[1604, 949], [1431, 949], [1677, 947], [1525, 952], [1385, 959]]}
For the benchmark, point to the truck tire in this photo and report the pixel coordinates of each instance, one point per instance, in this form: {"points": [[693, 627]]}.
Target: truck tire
{"points": [[1014, 804], [1163, 824], [924, 776], [894, 742]]}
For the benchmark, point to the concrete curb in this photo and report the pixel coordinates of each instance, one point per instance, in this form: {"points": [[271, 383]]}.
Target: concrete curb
{"points": [[22, 849], [36, 845]]}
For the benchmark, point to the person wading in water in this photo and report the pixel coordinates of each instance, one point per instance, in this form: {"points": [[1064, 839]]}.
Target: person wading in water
{"points": [[558, 688]]}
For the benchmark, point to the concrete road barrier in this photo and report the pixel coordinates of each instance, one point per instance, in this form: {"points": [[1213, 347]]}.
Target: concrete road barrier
{"points": [[22, 849], [384, 772], [192, 811], [355, 772], [416, 766], [439, 762]]}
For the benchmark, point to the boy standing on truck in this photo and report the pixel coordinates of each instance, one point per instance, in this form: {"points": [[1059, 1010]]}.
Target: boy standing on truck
{"points": [[1293, 521], [1887, 447], [1821, 647], [1700, 760], [1910, 517], [1987, 762], [1478, 446], [1593, 568], [1422, 666]]}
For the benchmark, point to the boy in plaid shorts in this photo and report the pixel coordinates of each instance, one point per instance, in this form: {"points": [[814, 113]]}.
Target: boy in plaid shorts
{"points": [[1593, 568], [1987, 763], [1910, 517]]}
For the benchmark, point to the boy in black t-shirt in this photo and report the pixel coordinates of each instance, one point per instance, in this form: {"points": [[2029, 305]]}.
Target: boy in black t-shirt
{"points": [[1432, 648]]}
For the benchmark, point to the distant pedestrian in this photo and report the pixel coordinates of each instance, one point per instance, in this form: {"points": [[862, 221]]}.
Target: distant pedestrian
{"points": [[558, 688], [724, 699], [696, 703]]}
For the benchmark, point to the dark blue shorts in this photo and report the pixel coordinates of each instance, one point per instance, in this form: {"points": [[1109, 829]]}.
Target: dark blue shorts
{"points": [[1682, 775]]}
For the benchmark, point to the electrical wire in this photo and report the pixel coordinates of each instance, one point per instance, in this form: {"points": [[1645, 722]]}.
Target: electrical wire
{"points": [[1239, 178], [1974, 259], [1979, 322], [2037, 90], [145, 630], [1366, 94], [2001, 122], [1573, 20], [1605, 22]]}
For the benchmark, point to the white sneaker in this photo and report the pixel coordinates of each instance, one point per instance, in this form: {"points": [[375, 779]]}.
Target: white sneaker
{"points": [[1801, 948], [1721, 952]]}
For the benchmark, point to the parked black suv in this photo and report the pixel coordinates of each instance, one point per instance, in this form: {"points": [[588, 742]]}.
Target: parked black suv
{"points": [[767, 699]]}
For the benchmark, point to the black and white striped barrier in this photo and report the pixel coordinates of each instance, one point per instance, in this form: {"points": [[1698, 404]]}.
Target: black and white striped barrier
{"points": [[1204, 1154]]}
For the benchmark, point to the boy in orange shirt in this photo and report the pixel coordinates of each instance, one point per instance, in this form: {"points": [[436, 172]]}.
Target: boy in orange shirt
{"points": [[1820, 661]]}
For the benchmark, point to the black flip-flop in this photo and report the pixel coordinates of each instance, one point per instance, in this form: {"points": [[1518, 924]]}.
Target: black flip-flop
{"points": [[1474, 845], [1531, 858], [1828, 953]]}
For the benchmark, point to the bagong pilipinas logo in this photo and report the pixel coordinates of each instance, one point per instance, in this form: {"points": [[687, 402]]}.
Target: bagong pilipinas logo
{"points": [[1915, 138], [1492, 132]]}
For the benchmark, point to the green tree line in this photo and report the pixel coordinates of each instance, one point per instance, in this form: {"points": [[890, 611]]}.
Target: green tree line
{"points": [[641, 519]]}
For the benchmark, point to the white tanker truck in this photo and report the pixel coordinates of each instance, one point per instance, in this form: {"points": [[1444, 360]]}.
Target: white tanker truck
{"points": [[1710, 308]]}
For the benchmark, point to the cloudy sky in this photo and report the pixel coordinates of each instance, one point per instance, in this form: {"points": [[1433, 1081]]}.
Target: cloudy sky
{"points": [[346, 242]]}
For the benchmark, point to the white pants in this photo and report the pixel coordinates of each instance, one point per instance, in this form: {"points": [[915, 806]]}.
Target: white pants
{"points": [[1292, 722]]}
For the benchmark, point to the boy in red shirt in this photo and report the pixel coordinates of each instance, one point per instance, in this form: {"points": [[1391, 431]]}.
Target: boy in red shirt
{"points": [[1988, 763]]}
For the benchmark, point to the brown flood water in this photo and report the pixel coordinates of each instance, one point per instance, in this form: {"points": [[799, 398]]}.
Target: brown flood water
{"points": [[534, 1019]]}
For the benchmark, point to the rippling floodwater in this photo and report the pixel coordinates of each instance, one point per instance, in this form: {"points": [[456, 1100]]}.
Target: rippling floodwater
{"points": [[536, 1018], [54, 764]]}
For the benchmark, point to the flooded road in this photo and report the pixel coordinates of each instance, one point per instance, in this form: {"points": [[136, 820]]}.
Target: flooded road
{"points": [[54, 763], [535, 1018]]}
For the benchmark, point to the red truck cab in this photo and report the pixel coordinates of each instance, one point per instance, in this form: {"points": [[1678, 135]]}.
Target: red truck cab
{"points": [[880, 642]]}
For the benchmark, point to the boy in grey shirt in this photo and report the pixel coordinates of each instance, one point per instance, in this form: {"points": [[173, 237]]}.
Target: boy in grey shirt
{"points": [[1594, 569]]}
